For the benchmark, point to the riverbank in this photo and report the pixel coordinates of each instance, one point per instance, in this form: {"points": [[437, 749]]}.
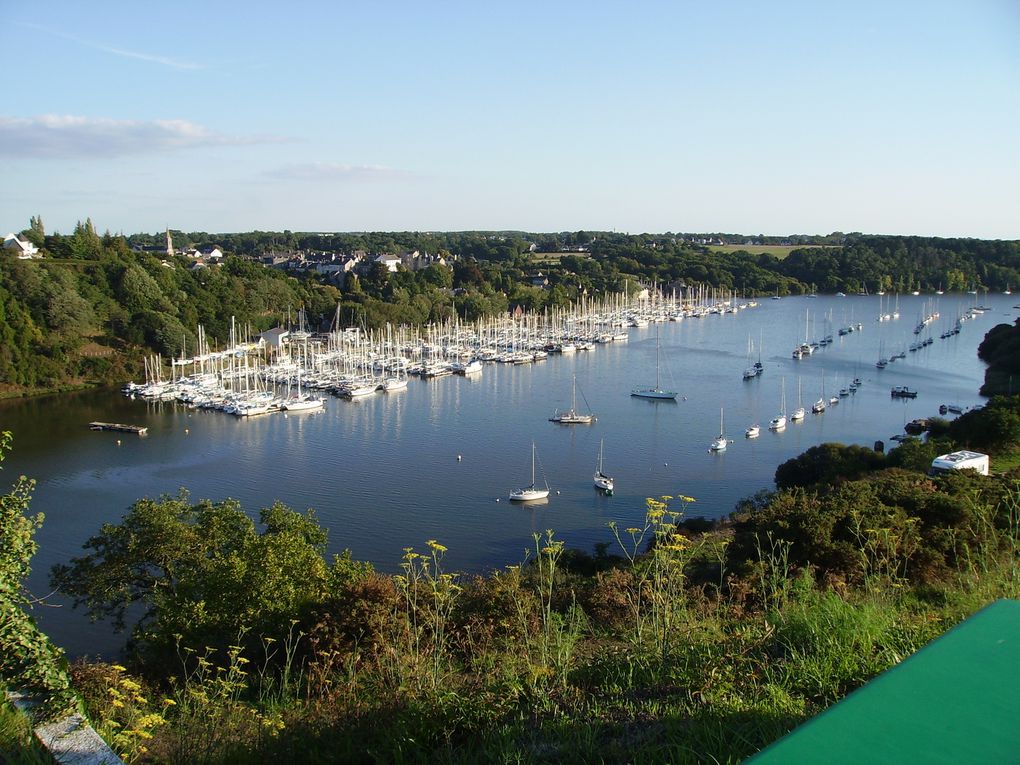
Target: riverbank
{"points": [[12, 392]]}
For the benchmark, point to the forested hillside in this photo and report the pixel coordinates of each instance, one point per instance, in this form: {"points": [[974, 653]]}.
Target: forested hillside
{"points": [[88, 311]]}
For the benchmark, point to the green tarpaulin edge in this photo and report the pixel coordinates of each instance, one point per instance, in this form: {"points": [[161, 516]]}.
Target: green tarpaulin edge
{"points": [[956, 700]]}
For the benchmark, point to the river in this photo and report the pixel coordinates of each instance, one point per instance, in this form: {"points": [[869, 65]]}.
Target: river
{"points": [[437, 460]]}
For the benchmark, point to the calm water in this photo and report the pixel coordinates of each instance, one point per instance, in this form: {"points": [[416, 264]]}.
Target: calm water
{"points": [[383, 474]]}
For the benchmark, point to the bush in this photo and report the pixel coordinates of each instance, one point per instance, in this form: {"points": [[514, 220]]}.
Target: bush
{"points": [[827, 463]]}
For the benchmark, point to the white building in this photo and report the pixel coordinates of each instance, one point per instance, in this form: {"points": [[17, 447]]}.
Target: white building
{"points": [[390, 261], [23, 248]]}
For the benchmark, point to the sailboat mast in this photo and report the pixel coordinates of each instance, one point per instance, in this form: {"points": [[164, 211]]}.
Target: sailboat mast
{"points": [[657, 358]]}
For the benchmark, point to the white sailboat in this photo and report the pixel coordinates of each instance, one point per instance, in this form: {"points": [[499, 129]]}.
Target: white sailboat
{"points": [[719, 443], [305, 404], [819, 406], [798, 413], [396, 382], [572, 416], [473, 367], [602, 481], [657, 391], [530, 492], [302, 402], [391, 384], [779, 421]]}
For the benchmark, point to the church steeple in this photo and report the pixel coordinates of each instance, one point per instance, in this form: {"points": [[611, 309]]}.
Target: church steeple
{"points": [[169, 243]]}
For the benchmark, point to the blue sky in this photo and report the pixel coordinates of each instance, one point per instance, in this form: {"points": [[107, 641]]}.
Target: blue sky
{"points": [[775, 118]]}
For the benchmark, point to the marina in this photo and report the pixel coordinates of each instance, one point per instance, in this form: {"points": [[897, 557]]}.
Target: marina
{"points": [[436, 458]]}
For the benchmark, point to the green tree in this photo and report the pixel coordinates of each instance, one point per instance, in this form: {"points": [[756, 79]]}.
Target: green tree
{"points": [[827, 463], [85, 243], [202, 573], [438, 275], [992, 428], [36, 233], [28, 661], [140, 292]]}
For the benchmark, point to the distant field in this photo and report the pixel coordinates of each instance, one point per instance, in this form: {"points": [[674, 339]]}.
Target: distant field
{"points": [[776, 250], [554, 257]]}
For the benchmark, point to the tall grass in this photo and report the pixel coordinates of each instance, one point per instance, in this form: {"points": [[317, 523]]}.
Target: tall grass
{"points": [[17, 745]]}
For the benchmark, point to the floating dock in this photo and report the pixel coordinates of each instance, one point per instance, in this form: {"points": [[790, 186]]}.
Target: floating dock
{"points": [[118, 427]]}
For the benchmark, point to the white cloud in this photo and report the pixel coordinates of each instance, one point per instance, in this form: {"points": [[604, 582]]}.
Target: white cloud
{"points": [[66, 136], [333, 171]]}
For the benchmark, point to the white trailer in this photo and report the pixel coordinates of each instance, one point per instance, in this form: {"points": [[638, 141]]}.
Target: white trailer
{"points": [[962, 460]]}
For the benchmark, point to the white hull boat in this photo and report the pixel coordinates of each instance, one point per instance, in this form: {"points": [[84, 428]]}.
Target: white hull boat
{"points": [[305, 404], [572, 416], [602, 481], [720, 443], [532, 492]]}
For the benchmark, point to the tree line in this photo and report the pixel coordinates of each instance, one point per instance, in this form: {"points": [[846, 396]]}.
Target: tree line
{"points": [[95, 305]]}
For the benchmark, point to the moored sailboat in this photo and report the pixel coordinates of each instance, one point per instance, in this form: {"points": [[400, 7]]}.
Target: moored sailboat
{"points": [[572, 416], [798, 413], [779, 421], [602, 481], [530, 492], [657, 391], [719, 443]]}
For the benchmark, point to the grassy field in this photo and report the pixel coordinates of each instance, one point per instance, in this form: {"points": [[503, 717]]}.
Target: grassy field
{"points": [[776, 250], [554, 257]]}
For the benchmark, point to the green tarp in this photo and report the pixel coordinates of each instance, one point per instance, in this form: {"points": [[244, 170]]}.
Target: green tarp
{"points": [[957, 700]]}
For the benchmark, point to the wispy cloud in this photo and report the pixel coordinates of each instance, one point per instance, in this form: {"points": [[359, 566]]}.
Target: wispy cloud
{"points": [[149, 57], [66, 136], [333, 171], [173, 63]]}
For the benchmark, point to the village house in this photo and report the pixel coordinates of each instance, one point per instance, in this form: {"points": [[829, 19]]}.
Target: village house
{"points": [[416, 261], [340, 264], [392, 262], [21, 248]]}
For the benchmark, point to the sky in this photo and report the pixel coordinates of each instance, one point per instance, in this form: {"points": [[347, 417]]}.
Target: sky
{"points": [[686, 116]]}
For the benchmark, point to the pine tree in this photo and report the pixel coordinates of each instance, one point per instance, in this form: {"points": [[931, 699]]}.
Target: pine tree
{"points": [[36, 233]]}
